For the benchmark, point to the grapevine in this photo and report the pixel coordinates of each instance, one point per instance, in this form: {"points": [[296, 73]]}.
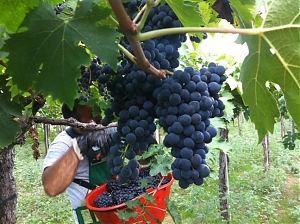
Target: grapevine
{"points": [[183, 101], [52, 48]]}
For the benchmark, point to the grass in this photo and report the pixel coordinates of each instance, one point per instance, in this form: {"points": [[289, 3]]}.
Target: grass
{"points": [[34, 206], [255, 196]]}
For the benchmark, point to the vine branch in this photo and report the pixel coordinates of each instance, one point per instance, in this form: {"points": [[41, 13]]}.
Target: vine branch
{"points": [[73, 123], [129, 28], [168, 31], [3, 63]]}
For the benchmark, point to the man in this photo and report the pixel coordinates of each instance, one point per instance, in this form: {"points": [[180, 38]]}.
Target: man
{"points": [[71, 155]]}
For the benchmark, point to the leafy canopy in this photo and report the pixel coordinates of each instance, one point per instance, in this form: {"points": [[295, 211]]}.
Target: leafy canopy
{"points": [[52, 45], [49, 43], [273, 57]]}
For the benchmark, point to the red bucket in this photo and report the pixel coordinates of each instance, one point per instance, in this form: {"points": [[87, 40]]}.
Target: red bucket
{"points": [[158, 209]]}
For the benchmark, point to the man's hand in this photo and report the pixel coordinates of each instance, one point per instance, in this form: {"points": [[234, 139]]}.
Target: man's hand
{"points": [[100, 138]]}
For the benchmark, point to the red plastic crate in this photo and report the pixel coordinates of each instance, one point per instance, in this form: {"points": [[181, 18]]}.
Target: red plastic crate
{"points": [[158, 209]]}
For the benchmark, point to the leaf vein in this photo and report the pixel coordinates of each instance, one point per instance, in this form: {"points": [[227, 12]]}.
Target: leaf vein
{"points": [[283, 62]]}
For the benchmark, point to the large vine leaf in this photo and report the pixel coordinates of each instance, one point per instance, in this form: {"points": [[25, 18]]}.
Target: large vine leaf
{"points": [[186, 13], [3, 37], [273, 56], [9, 127], [51, 43], [13, 12], [243, 11]]}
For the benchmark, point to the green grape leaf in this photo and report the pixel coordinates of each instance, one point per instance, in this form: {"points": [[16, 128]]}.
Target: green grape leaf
{"points": [[184, 12], [226, 95], [220, 144], [209, 15], [3, 37], [14, 11], [243, 10], [218, 122], [149, 197], [229, 111], [145, 183], [10, 107], [163, 167], [53, 47], [274, 55], [127, 213], [134, 203], [9, 127], [173, 211]]}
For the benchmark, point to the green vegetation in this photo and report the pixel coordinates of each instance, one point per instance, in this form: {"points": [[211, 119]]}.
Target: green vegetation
{"points": [[255, 196], [34, 206]]}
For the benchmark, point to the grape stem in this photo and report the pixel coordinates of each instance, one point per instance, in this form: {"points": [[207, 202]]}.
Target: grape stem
{"points": [[150, 4], [129, 28], [133, 59], [127, 53], [168, 31], [156, 189], [114, 20], [139, 15], [3, 63]]}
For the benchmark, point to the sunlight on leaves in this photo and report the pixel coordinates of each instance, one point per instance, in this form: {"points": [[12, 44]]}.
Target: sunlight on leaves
{"points": [[53, 47], [281, 65]]}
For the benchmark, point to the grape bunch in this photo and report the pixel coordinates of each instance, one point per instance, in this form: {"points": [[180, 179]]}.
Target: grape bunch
{"points": [[186, 102], [133, 102], [162, 52], [89, 74], [119, 193], [183, 102]]}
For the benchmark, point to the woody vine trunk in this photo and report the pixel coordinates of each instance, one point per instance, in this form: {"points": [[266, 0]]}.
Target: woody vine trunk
{"points": [[8, 199]]}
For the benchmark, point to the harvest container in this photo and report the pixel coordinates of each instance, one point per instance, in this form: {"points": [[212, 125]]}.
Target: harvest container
{"points": [[108, 215]]}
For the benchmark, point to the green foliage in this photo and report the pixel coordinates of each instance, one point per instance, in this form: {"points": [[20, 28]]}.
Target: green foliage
{"points": [[51, 44], [173, 211], [254, 195], [159, 158], [137, 205], [34, 206], [273, 57], [7, 109], [46, 42], [245, 13], [129, 212], [3, 37], [290, 140], [11, 126], [13, 12], [184, 11], [220, 144]]}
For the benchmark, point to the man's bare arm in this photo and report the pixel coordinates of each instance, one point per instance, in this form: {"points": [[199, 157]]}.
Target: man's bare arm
{"points": [[59, 176]]}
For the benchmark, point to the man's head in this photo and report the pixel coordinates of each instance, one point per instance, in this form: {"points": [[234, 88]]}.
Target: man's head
{"points": [[67, 112], [82, 113]]}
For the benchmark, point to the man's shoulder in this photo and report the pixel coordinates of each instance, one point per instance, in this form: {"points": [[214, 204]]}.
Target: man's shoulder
{"points": [[62, 137], [63, 134]]}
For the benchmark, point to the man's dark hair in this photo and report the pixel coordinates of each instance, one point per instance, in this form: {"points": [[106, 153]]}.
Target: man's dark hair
{"points": [[67, 112]]}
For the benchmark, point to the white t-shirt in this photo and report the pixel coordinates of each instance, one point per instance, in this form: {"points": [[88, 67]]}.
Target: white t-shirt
{"points": [[57, 149]]}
